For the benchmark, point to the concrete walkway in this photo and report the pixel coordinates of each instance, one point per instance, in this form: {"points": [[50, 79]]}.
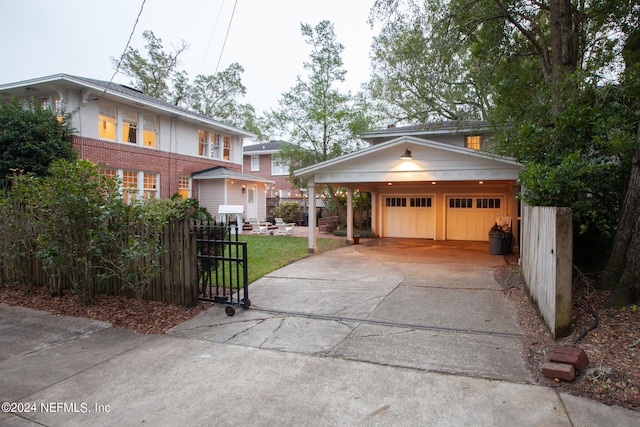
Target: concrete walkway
{"points": [[391, 332]]}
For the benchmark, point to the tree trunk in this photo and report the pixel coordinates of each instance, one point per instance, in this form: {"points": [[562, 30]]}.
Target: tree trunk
{"points": [[623, 268], [564, 50]]}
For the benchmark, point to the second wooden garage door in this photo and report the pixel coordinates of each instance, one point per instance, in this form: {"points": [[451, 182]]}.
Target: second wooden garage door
{"points": [[471, 217]]}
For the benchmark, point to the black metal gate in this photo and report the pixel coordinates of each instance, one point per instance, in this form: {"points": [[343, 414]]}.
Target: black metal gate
{"points": [[221, 262]]}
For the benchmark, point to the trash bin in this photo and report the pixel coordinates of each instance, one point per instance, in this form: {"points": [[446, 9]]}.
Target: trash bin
{"points": [[499, 241], [305, 219]]}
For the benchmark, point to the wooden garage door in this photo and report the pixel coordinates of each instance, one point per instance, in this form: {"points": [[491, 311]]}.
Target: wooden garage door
{"points": [[471, 217], [409, 216]]}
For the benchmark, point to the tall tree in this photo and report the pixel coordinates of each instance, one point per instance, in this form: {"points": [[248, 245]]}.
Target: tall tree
{"points": [[155, 72], [623, 268], [552, 80], [317, 119], [420, 69]]}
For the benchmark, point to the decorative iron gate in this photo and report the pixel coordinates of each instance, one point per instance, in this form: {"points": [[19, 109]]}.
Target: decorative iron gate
{"points": [[221, 262]]}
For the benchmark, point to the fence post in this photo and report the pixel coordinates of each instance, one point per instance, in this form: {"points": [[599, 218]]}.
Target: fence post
{"points": [[547, 263]]}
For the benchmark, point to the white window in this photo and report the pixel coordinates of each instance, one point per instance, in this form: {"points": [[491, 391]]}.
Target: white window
{"points": [[123, 125], [226, 155], [184, 187], [255, 163], [150, 183], [149, 131], [107, 121], [203, 146], [135, 183], [278, 168], [216, 149], [129, 126]]}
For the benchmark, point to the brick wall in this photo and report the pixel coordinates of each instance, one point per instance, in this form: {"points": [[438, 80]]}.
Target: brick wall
{"points": [[170, 166], [282, 183]]}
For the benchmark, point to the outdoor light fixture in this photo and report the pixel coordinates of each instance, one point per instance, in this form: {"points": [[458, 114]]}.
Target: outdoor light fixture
{"points": [[406, 155]]}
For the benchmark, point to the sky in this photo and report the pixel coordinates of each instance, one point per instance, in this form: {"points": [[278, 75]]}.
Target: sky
{"points": [[79, 37]]}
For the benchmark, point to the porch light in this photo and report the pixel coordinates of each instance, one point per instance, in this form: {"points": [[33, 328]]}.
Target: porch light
{"points": [[406, 155]]}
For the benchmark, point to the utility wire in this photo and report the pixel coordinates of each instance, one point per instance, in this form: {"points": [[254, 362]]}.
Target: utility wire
{"points": [[226, 35], [125, 49], [215, 25]]}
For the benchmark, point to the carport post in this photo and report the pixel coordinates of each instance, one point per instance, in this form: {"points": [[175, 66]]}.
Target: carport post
{"points": [[349, 215], [313, 247]]}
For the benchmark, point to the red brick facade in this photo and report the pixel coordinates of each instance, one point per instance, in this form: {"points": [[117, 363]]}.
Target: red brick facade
{"points": [[170, 166], [282, 181]]}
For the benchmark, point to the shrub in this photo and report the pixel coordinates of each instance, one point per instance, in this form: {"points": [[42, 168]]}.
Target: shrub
{"points": [[288, 211]]}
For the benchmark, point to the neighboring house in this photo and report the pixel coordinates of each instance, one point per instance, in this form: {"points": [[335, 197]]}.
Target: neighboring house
{"points": [[431, 182], [155, 148], [260, 160]]}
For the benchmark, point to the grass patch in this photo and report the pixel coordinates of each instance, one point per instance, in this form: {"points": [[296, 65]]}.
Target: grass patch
{"points": [[269, 253]]}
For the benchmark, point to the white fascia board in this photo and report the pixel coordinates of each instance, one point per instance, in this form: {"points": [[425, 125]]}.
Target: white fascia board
{"points": [[193, 117]]}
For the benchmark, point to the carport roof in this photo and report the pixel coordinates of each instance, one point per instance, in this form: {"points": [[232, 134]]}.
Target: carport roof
{"points": [[432, 161]]}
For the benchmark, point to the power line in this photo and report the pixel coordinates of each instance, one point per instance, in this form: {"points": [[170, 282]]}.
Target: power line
{"points": [[215, 25], [135, 24], [226, 35]]}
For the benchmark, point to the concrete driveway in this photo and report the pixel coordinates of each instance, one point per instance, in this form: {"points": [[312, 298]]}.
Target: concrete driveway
{"points": [[401, 302], [388, 333]]}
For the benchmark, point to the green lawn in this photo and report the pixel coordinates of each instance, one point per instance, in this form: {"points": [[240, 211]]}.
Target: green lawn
{"points": [[269, 253]]}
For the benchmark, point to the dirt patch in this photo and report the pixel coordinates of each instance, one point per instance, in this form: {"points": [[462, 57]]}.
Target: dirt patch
{"points": [[613, 347], [153, 318]]}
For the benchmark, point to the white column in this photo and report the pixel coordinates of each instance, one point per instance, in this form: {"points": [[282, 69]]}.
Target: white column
{"points": [[349, 216], [313, 247]]}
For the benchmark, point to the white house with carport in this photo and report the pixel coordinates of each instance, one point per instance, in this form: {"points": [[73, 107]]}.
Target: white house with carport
{"points": [[421, 187]]}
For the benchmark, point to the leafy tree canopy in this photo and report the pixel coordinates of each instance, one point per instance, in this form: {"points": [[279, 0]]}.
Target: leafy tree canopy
{"points": [[319, 120], [31, 138], [156, 73]]}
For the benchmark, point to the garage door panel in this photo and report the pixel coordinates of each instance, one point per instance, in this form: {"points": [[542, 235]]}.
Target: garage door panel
{"points": [[471, 218], [409, 216]]}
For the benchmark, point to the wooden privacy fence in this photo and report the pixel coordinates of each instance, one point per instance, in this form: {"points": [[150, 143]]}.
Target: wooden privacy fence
{"points": [[547, 263], [176, 284]]}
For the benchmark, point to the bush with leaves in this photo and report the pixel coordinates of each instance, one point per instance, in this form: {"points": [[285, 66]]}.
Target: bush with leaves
{"points": [[76, 220], [32, 138], [18, 229], [137, 246], [288, 211]]}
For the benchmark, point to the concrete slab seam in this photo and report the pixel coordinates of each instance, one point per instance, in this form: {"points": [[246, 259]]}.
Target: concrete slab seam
{"points": [[387, 323]]}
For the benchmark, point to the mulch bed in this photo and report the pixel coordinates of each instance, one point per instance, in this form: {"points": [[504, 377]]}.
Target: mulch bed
{"points": [[613, 347]]}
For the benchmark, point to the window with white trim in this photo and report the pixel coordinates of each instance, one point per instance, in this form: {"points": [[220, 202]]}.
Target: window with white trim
{"points": [[107, 121], [226, 155], [215, 146], [184, 187], [255, 163], [149, 130], [129, 126], [135, 183], [129, 186], [203, 149], [278, 167]]}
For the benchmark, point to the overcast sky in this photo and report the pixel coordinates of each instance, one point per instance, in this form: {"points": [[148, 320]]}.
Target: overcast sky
{"points": [[78, 37]]}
